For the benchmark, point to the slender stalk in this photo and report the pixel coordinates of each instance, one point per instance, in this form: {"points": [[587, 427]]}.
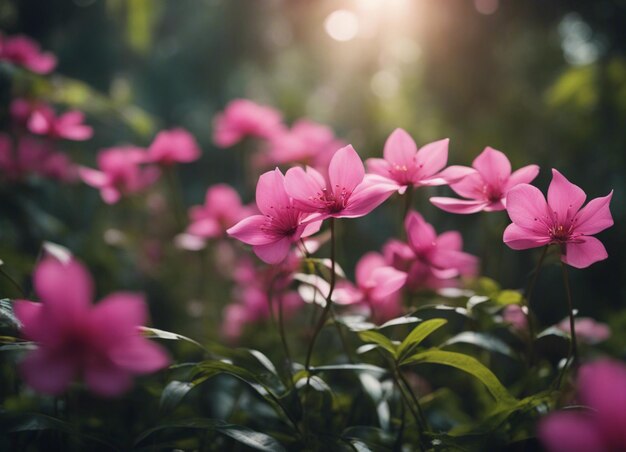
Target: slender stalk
{"points": [[408, 201], [12, 281], [328, 306], [173, 186], [527, 294], [415, 409], [573, 352], [283, 339]]}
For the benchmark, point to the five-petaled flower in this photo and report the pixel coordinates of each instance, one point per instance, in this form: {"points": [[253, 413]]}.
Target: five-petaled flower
{"points": [[347, 192], [487, 186], [280, 224], [102, 344], [173, 146], [69, 125], [406, 166], [561, 221]]}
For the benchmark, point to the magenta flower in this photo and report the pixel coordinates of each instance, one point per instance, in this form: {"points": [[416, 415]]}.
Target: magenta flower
{"points": [[560, 221], [281, 223], [514, 315], [377, 287], [101, 344], [587, 329], [23, 51], [487, 186], [307, 142], [173, 146], [430, 260], [347, 192], [221, 210], [243, 118], [69, 125], [120, 173], [602, 387], [34, 157], [407, 166]]}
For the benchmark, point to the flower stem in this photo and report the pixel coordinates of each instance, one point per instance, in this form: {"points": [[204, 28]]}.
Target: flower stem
{"points": [[408, 201], [573, 352], [175, 196], [411, 402]]}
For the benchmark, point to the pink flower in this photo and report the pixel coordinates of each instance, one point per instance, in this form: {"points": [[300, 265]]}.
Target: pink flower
{"points": [[174, 146], [100, 343], [307, 142], [602, 387], [281, 223], [560, 221], [487, 186], [514, 314], [243, 118], [221, 210], [23, 51], [430, 260], [407, 167], [347, 192], [587, 329], [69, 125], [120, 173], [34, 157], [377, 286]]}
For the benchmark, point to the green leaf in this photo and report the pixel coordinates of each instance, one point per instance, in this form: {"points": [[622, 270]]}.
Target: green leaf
{"points": [[173, 393], [419, 333], [355, 367], [467, 364], [379, 339], [6, 312], [483, 340], [243, 435], [26, 422], [153, 333], [507, 297]]}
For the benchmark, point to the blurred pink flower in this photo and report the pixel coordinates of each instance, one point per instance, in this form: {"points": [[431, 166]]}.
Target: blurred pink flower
{"points": [[24, 51], [34, 157], [378, 287], [174, 146], [101, 343], [560, 221], [514, 315], [243, 118], [602, 387], [222, 209], [407, 166], [347, 193], [120, 173], [487, 186], [431, 261], [68, 125], [587, 329], [21, 110], [307, 142], [280, 224]]}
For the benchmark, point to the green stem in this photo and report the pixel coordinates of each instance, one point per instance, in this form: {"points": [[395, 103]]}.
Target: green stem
{"points": [[573, 352], [175, 196], [415, 409], [408, 201]]}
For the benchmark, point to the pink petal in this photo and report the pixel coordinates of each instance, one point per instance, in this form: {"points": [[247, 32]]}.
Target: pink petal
{"points": [[304, 186], [32, 317], [207, 228], [420, 234], [273, 253], [432, 157], [493, 166], [584, 251], [110, 195], [270, 192], [528, 209], [366, 266], [400, 149], [66, 289], [79, 132], [116, 317], [564, 198], [450, 175], [367, 196], [378, 166], [311, 228], [346, 170], [524, 175], [250, 231], [518, 238], [140, 356], [47, 372], [461, 206], [38, 123], [387, 281], [107, 379], [450, 240], [595, 216], [471, 186], [93, 177], [570, 432]]}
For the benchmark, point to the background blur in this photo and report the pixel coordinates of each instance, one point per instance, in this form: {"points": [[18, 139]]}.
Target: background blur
{"points": [[544, 82]]}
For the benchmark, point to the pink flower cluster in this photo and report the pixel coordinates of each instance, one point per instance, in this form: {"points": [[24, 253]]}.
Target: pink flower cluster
{"points": [[601, 386], [23, 51], [101, 344]]}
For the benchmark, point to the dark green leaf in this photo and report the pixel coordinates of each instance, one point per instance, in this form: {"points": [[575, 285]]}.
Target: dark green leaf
{"points": [[379, 339], [483, 340], [419, 333]]}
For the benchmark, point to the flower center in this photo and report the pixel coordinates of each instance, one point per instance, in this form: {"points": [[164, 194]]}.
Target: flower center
{"points": [[283, 221], [333, 201], [492, 194], [559, 233], [404, 174]]}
